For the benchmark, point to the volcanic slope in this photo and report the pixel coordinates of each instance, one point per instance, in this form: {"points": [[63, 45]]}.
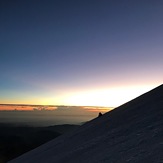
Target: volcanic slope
{"points": [[131, 133]]}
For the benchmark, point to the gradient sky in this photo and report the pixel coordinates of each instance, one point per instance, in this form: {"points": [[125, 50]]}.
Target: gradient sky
{"points": [[79, 52]]}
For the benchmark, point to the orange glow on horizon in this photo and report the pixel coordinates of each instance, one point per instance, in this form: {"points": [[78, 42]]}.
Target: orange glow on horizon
{"points": [[109, 97], [8, 107], [51, 108], [16, 107]]}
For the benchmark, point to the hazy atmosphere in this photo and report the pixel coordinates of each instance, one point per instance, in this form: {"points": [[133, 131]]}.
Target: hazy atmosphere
{"points": [[35, 115], [86, 52]]}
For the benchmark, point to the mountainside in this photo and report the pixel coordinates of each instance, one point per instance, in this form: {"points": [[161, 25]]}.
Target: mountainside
{"points": [[130, 133]]}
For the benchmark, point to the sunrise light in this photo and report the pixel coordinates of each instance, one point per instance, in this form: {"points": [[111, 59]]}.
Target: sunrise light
{"points": [[107, 97]]}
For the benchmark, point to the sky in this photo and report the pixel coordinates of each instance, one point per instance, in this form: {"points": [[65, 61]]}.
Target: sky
{"points": [[79, 52]]}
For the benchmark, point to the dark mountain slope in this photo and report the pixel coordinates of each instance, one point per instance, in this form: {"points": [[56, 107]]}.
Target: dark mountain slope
{"points": [[131, 133]]}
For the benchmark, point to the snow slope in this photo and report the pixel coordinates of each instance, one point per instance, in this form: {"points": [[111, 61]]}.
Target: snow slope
{"points": [[132, 133]]}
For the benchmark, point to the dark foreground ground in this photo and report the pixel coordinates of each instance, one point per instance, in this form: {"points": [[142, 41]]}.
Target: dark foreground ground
{"points": [[16, 140]]}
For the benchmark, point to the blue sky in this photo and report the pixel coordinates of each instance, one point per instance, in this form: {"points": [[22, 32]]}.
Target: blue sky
{"points": [[53, 52]]}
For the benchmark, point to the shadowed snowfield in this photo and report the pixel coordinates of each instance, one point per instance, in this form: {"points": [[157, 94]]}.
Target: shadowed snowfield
{"points": [[131, 133]]}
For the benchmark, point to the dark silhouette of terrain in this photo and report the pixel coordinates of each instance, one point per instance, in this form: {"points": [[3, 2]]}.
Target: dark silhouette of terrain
{"points": [[16, 140], [131, 133], [100, 114]]}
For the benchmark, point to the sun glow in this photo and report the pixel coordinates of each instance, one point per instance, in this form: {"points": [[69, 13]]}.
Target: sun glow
{"points": [[108, 97]]}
